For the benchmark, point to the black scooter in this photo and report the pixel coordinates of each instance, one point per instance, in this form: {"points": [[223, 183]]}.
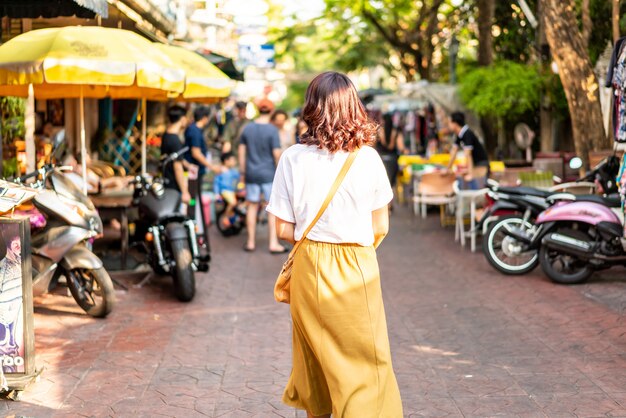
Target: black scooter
{"points": [[167, 235]]}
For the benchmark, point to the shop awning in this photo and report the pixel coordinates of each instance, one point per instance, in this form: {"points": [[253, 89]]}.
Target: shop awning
{"points": [[223, 63], [87, 9]]}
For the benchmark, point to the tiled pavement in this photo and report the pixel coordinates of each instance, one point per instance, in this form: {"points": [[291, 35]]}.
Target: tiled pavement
{"points": [[466, 341]]}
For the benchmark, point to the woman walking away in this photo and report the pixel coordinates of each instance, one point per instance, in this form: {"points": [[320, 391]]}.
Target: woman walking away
{"points": [[341, 356]]}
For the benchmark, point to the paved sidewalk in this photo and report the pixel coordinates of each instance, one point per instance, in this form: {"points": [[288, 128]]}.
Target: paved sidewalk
{"points": [[466, 340]]}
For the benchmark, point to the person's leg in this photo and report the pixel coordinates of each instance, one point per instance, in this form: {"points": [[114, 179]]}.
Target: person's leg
{"points": [[193, 191], [203, 216], [472, 185], [251, 218], [274, 245], [253, 197]]}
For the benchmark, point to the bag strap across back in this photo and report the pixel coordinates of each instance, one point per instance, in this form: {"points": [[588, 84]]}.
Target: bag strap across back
{"points": [[329, 197]]}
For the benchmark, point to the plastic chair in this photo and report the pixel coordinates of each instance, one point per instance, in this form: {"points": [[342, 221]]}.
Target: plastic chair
{"points": [[435, 189], [497, 166], [465, 198], [442, 159], [583, 187]]}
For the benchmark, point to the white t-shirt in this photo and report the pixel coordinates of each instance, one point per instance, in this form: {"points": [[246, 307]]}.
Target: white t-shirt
{"points": [[303, 179]]}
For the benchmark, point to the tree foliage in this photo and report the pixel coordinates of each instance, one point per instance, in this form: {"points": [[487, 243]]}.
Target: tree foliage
{"points": [[514, 37], [505, 90]]}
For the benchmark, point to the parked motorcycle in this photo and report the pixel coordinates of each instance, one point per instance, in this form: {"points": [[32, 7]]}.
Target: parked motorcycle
{"points": [[510, 243], [167, 235], [579, 238], [62, 247]]}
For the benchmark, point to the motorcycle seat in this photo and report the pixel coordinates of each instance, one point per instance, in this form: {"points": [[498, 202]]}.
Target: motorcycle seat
{"points": [[521, 190], [612, 201]]}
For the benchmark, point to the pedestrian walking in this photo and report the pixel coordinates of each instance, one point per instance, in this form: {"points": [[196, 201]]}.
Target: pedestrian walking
{"points": [[174, 173], [280, 119], [475, 153], [341, 354], [198, 156], [234, 127], [259, 151]]}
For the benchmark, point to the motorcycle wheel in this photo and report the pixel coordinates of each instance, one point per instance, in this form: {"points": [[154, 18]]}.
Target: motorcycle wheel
{"points": [[564, 268], [503, 252], [182, 272], [93, 290]]}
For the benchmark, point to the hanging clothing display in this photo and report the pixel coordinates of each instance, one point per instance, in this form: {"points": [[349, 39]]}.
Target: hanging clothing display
{"points": [[616, 78]]}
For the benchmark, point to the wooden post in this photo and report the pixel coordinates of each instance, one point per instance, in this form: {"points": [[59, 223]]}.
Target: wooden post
{"points": [[83, 147], [29, 137], [144, 150]]}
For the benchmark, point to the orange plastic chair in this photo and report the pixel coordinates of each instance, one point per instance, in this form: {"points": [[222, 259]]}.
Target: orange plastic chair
{"points": [[435, 189]]}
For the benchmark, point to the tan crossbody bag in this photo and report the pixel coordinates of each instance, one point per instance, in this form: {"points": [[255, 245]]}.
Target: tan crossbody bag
{"points": [[282, 287]]}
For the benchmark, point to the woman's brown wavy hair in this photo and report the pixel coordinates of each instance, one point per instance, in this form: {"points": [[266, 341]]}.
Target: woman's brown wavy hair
{"points": [[335, 116]]}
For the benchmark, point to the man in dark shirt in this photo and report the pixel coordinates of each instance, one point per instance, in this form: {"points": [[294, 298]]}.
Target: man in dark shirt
{"points": [[475, 154], [174, 173], [259, 151], [197, 156]]}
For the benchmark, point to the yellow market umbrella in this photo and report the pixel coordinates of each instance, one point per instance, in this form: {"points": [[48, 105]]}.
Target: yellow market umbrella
{"points": [[90, 60], [87, 61], [204, 82]]}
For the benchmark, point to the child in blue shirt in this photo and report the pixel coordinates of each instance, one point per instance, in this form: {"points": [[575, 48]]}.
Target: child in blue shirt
{"points": [[225, 183]]}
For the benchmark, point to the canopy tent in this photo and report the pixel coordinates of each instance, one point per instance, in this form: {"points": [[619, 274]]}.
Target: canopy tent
{"points": [[87, 9], [444, 96], [393, 102], [369, 95], [227, 65]]}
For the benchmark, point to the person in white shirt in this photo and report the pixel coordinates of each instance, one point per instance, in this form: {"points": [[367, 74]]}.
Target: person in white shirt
{"points": [[341, 355]]}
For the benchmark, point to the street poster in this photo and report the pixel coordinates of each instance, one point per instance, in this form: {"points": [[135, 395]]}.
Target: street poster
{"points": [[11, 299]]}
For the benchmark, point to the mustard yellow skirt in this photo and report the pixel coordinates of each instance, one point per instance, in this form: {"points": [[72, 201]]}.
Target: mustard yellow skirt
{"points": [[341, 357]]}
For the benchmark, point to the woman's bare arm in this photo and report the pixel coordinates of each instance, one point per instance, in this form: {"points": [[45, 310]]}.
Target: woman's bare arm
{"points": [[380, 224], [285, 230]]}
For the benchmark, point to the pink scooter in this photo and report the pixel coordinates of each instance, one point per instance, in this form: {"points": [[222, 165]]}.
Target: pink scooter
{"points": [[578, 239]]}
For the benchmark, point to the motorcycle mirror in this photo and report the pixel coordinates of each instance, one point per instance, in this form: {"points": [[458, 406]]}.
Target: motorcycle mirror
{"points": [[58, 140], [575, 163]]}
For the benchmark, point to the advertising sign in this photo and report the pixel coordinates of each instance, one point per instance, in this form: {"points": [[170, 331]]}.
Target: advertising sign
{"points": [[260, 56], [16, 305]]}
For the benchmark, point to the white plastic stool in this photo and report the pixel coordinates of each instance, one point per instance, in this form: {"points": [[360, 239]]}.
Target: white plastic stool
{"points": [[463, 198]]}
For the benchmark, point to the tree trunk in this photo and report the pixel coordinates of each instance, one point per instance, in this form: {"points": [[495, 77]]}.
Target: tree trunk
{"points": [[577, 77], [615, 20], [587, 24], [486, 13], [424, 64], [546, 135]]}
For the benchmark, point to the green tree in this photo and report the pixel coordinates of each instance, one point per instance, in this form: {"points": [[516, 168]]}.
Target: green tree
{"points": [[505, 91], [12, 127], [409, 30]]}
